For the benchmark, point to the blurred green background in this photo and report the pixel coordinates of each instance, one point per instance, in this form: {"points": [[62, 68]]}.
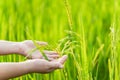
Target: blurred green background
{"points": [[47, 20]]}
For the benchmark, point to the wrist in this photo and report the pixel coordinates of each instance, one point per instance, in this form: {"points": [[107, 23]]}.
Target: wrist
{"points": [[20, 49], [29, 66]]}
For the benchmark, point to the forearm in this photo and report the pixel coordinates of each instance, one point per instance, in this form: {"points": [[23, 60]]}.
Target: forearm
{"points": [[7, 47], [12, 70]]}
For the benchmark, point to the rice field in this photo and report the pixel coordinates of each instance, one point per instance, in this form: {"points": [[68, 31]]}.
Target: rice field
{"points": [[86, 30]]}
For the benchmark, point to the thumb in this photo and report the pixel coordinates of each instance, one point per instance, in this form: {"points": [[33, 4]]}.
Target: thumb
{"points": [[59, 63], [63, 59], [42, 43], [56, 65]]}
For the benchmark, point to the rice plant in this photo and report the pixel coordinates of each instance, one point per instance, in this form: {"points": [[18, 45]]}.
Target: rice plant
{"points": [[87, 31]]}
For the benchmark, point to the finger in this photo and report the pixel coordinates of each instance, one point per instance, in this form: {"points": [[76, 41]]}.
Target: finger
{"points": [[42, 43], [50, 52], [63, 59], [53, 56], [49, 59], [56, 65]]}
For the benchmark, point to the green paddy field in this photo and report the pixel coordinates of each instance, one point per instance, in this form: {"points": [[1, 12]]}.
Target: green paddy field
{"points": [[88, 31]]}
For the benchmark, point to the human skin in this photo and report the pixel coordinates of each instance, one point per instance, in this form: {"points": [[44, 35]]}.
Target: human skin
{"points": [[37, 64], [22, 48]]}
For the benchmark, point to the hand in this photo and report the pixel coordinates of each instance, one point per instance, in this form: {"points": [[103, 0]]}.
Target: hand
{"points": [[44, 66], [28, 45], [10, 70]]}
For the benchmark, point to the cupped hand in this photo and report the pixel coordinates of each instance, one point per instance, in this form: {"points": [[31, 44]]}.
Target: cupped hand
{"points": [[27, 45], [44, 66]]}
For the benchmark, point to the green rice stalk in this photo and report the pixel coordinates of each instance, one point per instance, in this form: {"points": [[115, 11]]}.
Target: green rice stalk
{"points": [[97, 54], [38, 47]]}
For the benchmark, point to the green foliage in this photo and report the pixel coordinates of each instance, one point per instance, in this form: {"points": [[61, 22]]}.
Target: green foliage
{"points": [[87, 31]]}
